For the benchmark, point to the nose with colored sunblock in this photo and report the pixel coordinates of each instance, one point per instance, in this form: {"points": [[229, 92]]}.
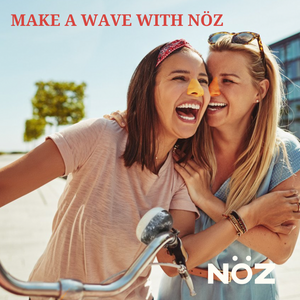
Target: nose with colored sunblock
{"points": [[214, 91], [195, 88], [214, 88]]}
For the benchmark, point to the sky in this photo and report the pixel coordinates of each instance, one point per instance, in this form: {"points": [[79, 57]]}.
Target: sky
{"points": [[104, 57]]}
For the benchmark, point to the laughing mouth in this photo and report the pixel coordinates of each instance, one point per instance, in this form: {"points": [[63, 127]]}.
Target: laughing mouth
{"points": [[188, 111], [213, 106]]}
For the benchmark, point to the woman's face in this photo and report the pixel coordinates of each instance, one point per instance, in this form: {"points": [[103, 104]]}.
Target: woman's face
{"points": [[237, 97], [181, 95]]}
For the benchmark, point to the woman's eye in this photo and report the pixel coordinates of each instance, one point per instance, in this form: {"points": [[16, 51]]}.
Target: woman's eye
{"points": [[203, 81], [179, 78], [227, 80]]}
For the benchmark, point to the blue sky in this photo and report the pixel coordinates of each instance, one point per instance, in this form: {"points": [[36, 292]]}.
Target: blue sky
{"points": [[105, 56]]}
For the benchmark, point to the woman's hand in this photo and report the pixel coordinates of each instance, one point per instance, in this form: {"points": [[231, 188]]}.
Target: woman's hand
{"points": [[276, 210], [197, 180], [119, 116]]}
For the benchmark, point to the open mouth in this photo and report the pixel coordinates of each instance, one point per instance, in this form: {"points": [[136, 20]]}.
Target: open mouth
{"points": [[188, 111], [213, 106]]}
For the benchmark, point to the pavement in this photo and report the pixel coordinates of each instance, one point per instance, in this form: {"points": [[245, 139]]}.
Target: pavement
{"points": [[25, 228]]}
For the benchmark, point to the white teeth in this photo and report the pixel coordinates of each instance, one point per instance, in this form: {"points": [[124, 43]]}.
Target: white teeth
{"points": [[187, 118], [216, 104], [189, 105]]}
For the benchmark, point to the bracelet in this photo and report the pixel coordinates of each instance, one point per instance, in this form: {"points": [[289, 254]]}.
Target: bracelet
{"points": [[240, 221], [237, 222]]}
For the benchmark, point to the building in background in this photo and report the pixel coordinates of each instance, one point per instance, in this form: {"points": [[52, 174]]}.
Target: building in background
{"points": [[288, 52]]}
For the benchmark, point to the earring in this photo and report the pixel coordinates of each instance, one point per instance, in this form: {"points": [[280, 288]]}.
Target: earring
{"points": [[257, 100]]}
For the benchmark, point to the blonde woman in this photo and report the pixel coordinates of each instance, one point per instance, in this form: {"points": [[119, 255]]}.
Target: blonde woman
{"points": [[247, 156]]}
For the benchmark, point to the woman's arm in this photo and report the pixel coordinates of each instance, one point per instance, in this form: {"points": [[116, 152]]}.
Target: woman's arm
{"points": [[278, 246], [31, 171], [200, 247], [208, 243]]}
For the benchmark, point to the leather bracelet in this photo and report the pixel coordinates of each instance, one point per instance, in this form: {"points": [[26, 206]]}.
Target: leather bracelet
{"points": [[237, 222], [240, 221]]}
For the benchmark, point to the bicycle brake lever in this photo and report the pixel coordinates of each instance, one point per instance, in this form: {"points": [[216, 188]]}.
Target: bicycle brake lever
{"points": [[184, 274], [178, 251]]}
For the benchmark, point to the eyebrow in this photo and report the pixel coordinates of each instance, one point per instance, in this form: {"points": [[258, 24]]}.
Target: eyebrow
{"points": [[230, 74], [187, 72]]}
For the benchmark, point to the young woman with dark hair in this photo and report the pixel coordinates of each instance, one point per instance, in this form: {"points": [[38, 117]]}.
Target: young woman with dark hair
{"points": [[115, 176]]}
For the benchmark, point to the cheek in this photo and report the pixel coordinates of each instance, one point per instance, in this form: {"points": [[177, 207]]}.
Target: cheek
{"points": [[157, 100], [162, 107], [206, 97]]}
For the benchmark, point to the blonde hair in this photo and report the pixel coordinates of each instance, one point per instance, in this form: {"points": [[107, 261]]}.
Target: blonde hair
{"points": [[260, 141]]}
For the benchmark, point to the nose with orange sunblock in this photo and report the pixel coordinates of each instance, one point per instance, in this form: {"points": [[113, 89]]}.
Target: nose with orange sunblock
{"points": [[195, 88], [214, 88], [214, 106]]}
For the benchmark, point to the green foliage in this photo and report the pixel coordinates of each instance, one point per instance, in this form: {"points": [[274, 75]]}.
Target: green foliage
{"points": [[34, 128], [55, 104]]}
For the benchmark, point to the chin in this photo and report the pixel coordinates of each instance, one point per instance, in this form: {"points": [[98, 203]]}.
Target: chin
{"points": [[213, 123], [187, 134]]}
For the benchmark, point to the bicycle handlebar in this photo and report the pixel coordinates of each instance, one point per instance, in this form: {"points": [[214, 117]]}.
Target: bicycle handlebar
{"points": [[73, 289], [154, 230]]}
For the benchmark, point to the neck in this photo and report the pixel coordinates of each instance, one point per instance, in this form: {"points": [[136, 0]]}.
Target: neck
{"points": [[163, 148], [228, 143]]}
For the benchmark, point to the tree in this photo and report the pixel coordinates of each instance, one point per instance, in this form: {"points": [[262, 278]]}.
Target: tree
{"points": [[34, 128], [55, 104]]}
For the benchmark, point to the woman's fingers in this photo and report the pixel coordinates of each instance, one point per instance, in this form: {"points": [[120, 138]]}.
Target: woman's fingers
{"points": [[190, 166], [294, 200], [124, 116], [290, 193], [118, 116], [183, 166], [191, 172], [284, 229], [176, 156], [183, 172], [296, 208], [107, 117], [194, 165]]}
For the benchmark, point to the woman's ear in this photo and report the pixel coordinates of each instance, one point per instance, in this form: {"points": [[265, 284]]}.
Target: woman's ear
{"points": [[263, 89]]}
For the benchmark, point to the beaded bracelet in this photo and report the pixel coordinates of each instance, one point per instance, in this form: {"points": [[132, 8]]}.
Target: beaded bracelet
{"points": [[237, 222]]}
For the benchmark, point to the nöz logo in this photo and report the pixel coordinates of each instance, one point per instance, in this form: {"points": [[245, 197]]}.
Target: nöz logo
{"points": [[226, 276]]}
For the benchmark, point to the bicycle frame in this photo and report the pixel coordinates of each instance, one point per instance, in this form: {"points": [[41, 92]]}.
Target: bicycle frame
{"points": [[73, 289]]}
